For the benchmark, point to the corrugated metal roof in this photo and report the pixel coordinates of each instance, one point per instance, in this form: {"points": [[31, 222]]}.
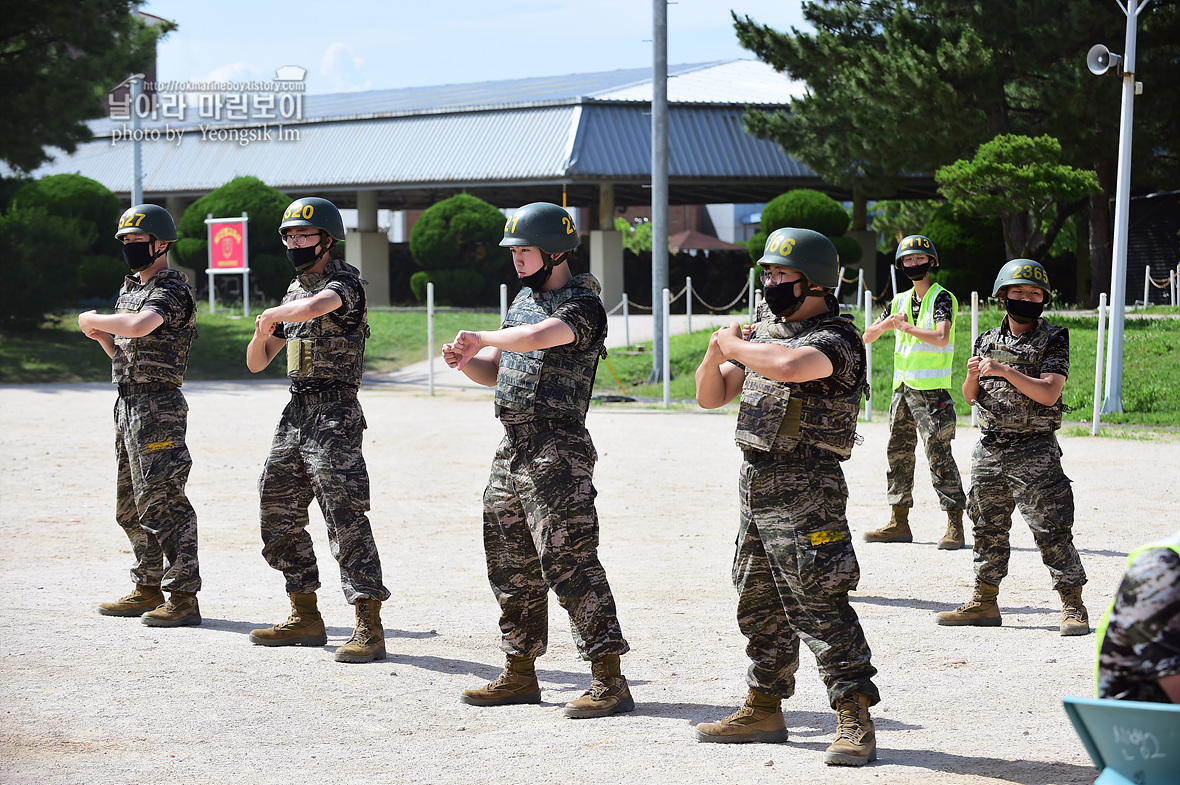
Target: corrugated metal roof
{"points": [[582, 128], [743, 82]]}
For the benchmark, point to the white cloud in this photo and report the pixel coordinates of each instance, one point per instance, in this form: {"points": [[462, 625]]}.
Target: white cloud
{"points": [[344, 69]]}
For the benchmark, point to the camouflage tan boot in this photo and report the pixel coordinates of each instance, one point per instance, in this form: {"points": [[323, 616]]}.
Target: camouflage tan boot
{"points": [[981, 611], [142, 598], [516, 684], [181, 610], [897, 530], [368, 639], [856, 738], [953, 539], [759, 719], [608, 693], [304, 627], [1074, 619]]}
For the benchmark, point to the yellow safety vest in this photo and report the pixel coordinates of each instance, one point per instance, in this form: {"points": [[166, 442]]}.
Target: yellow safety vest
{"points": [[1172, 542], [918, 364]]}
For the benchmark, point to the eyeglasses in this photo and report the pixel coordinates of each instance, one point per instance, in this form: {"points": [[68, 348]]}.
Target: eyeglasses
{"points": [[299, 239], [772, 277]]}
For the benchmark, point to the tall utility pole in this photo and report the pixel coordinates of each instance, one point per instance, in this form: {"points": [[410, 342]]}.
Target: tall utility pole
{"points": [[1113, 400], [659, 183]]}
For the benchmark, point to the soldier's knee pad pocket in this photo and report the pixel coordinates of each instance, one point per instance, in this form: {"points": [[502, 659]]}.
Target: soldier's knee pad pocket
{"points": [[827, 557]]}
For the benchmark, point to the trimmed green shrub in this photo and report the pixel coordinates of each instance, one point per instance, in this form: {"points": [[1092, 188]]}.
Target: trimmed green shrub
{"points": [[264, 206], [39, 255], [460, 288], [848, 249], [802, 208], [460, 234]]}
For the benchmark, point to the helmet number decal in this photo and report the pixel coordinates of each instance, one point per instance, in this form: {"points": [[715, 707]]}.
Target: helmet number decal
{"points": [[568, 224], [781, 246], [304, 211], [1034, 273], [131, 219]]}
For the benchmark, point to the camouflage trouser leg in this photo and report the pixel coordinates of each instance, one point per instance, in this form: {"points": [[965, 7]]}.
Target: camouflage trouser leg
{"points": [[793, 569], [1027, 476], [931, 414], [540, 533], [316, 452], [151, 505]]}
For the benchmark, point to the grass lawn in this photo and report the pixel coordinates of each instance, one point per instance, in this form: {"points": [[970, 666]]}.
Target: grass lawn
{"points": [[58, 352], [1151, 373]]}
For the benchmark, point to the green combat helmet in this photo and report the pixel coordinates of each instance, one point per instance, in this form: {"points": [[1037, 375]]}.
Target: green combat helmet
{"points": [[314, 212], [545, 225], [147, 219], [806, 251], [913, 244], [1025, 272]]}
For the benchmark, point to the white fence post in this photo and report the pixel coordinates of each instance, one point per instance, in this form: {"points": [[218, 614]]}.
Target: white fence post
{"points": [[861, 300], [751, 294], [974, 335], [1147, 286], [503, 303], [893, 277], [626, 321], [688, 301], [667, 345], [868, 357], [1099, 363], [839, 283], [430, 337]]}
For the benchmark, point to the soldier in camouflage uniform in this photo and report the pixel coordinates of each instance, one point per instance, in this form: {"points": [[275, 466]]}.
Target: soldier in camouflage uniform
{"points": [[1016, 374], [1139, 637], [322, 325], [800, 376], [148, 339], [923, 357], [540, 525]]}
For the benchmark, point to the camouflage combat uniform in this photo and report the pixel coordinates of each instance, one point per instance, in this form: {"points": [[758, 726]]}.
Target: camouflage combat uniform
{"points": [[795, 563], [316, 451], [1139, 641], [151, 420], [540, 524], [1017, 462], [930, 413]]}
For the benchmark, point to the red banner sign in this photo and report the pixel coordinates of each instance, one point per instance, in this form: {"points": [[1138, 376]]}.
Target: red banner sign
{"points": [[227, 248]]}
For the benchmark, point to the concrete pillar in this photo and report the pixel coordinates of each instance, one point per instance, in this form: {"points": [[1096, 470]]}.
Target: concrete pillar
{"points": [[369, 252], [366, 211], [868, 262], [606, 207], [606, 264]]}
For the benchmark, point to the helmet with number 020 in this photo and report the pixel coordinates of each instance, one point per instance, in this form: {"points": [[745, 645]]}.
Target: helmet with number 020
{"points": [[147, 219], [314, 212], [1023, 272], [809, 252], [545, 225], [913, 244]]}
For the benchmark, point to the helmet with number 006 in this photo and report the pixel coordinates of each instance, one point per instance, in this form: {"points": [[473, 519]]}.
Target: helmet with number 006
{"points": [[913, 244], [314, 212], [545, 225], [811, 253], [147, 219], [1023, 272]]}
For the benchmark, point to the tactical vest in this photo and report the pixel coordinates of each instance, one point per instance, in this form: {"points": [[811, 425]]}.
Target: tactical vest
{"points": [[917, 364], [322, 348], [550, 383], [778, 416], [1002, 407], [162, 355], [1172, 543]]}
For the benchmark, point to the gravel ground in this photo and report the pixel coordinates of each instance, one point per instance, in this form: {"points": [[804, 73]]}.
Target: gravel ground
{"points": [[91, 699]]}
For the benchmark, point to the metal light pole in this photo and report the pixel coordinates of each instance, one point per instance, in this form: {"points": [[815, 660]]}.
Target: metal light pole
{"points": [[136, 142], [659, 183], [1099, 60]]}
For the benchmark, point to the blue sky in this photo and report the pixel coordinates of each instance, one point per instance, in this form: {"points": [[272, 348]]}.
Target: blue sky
{"points": [[349, 46]]}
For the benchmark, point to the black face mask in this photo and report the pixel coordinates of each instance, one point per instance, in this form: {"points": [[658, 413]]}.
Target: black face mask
{"points": [[537, 279], [139, 256], [781, 298], [916, 273], [1023, 311], [304, 257]]}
